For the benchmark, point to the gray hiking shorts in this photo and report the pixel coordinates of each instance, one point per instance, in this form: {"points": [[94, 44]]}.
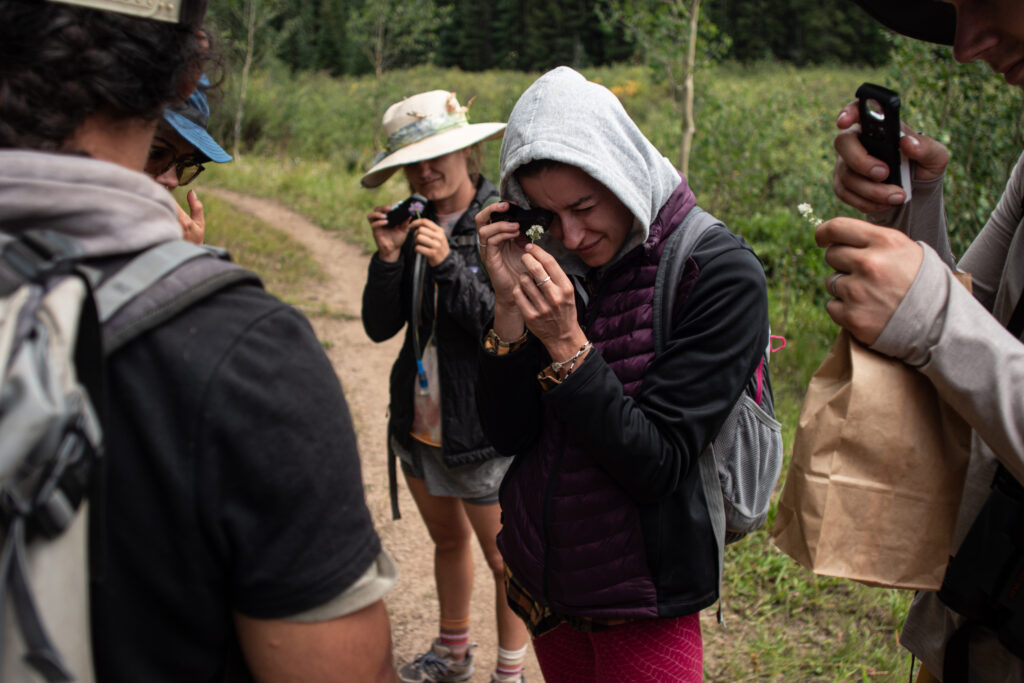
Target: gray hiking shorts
{"points": [[476, 483]]}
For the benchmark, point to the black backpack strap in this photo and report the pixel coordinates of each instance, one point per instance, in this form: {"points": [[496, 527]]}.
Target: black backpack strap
{"points": [[160, 283]]}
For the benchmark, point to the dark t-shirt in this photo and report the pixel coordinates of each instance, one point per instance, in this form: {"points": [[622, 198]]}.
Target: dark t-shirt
{"points": [[234, 485]]}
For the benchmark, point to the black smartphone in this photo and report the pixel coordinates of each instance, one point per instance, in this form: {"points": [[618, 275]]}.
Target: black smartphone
{"points": [[880, 131], [414, 206], [527, 218]]}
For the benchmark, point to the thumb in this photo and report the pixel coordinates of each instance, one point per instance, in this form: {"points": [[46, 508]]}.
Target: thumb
{"points": [[929, 156]]}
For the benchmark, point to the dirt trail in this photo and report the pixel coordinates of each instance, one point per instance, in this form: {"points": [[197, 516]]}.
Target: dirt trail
{"points": [[363, 367]]}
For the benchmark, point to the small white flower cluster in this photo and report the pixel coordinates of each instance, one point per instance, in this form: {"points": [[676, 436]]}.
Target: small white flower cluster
{"points": [[534, 232], [807, 211]]}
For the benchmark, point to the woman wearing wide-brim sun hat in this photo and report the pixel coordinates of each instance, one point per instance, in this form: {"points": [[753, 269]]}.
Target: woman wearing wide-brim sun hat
{"points": [[426, 277]]}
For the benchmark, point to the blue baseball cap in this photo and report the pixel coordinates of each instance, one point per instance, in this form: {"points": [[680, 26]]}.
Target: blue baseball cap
{"points": [[191, 118]]}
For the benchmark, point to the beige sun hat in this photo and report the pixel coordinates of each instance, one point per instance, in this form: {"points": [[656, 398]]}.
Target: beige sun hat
{"points": [[424, 126]]}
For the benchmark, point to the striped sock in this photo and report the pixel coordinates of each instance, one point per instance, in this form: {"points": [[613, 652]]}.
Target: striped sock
{"points": [[510, 664], [454, 635]]}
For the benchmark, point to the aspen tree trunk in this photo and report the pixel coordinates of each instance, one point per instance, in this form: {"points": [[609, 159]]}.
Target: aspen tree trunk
{"points": [[688, 124], [378, 59], [249, 48]]}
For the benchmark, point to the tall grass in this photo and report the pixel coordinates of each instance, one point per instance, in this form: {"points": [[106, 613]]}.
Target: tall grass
{"points": [[285, 266], [763, 145]]}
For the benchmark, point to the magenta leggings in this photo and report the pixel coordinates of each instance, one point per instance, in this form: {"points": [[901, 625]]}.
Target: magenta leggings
{"points": [[637, 652]]}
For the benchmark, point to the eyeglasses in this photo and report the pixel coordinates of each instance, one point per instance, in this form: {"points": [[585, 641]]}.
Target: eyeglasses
{"points": [[186, 166]]}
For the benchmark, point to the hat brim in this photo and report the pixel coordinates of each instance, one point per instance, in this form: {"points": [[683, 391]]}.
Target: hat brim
{"points": [[436, 145], [928, 20], [197, 136]]}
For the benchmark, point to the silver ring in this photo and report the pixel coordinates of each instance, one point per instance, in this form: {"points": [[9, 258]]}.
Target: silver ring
{"points": [[832, 279], [542, 281], [483, 245]]}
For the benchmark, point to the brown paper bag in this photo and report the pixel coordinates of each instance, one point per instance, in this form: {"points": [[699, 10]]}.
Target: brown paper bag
{"points": [[876, 476]]}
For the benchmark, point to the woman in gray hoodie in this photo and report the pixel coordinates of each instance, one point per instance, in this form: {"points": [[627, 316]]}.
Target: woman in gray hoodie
{"points": [[606, 537]]}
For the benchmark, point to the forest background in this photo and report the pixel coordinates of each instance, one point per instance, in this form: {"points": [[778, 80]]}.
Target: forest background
{"points": [[303, 83]]}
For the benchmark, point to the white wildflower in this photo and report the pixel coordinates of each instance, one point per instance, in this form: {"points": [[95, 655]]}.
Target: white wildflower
{"points": [[807, 211], [534, 232]]}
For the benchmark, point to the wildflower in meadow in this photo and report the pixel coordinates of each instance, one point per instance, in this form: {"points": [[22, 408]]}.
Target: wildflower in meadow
{"points": [[807, 211]]}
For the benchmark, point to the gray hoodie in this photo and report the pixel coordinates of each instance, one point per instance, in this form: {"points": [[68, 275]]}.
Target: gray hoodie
{"points": [[564, 117]]}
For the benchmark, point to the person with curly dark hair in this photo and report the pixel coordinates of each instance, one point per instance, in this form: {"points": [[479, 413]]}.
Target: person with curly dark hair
{"points": [[236, 544]]}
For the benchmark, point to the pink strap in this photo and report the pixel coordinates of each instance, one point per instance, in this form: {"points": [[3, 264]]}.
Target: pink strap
{"points": [[760, 366], [760, 381]]}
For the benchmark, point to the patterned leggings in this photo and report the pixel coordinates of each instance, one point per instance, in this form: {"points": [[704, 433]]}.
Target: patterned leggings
{"points": [[643, 651]]}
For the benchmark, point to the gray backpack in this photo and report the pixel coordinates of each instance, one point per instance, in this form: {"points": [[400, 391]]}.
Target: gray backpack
{"points": [[59, 321], [741, 465]]}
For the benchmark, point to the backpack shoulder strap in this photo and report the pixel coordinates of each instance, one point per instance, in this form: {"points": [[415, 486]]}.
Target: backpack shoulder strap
{"points": [[158, 284], [678, 248]]}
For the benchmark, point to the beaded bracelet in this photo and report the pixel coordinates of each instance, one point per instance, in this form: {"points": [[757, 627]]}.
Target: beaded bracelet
{"points": [[557, 366]]}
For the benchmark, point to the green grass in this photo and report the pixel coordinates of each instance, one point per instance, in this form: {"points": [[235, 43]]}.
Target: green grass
{"points": [[763, 146], [782, 622], [328, 196], [285, 266]]}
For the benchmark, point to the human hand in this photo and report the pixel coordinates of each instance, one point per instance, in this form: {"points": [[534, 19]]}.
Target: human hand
{"points": [[547, 300], [857, 177], [193, 223], [430, 240], [501, 252], [389, 240], [875, 267]]}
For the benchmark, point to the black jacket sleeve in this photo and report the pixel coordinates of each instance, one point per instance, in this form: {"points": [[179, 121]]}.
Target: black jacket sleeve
{"points": [[648, 444], [508, 396], [385, 309]]}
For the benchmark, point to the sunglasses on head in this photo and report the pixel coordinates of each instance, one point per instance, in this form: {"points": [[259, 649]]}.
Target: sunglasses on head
{"points": [[186, 166]]}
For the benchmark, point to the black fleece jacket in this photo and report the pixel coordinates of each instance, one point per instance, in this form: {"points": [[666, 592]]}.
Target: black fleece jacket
{"points": [[465, 305]]}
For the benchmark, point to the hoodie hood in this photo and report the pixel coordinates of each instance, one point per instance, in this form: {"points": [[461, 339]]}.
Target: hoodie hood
{"points": [[564, 117], [106, 208]]}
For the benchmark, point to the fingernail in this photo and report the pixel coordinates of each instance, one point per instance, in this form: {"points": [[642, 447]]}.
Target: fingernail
{"points": [[529, 246], [896, 198], [842, 115], [879, 173]]}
